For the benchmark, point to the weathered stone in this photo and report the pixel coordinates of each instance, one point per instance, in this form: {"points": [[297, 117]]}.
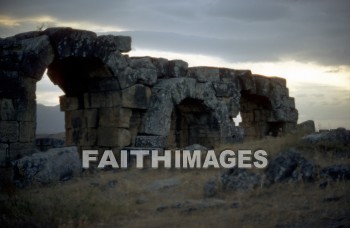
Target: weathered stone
{"points": [[28, 56], [196, 147], [7, 111], [177, 68], [27, 131], [4, 154], [113, 43], [339, 136], [162, 66], [81, 118], [19, 149], [114, 117], [43, 144], [166, 98], [205, 74], [81, 137], [336, 172], [69, 103], [150, 141], [136, 97], [57, 164], [102, 100], [117, 63], [104, 84], [306, 127], [9, 131], [113, 137], [239, 179], [68, 42], [25, 109], [290, 166]]}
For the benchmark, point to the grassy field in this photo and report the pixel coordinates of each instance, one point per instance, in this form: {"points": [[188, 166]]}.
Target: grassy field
{"points": [[139, 198]]}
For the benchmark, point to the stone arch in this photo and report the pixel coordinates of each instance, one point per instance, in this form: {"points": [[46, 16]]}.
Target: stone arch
{"points": [[171, 98], [113, 101], [265, 107], [74, 59], [255, 112]]}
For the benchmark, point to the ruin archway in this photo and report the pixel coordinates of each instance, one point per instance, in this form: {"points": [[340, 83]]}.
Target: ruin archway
{"points": [[113, 101], [255, 112], [190, 112], [192, 123]]}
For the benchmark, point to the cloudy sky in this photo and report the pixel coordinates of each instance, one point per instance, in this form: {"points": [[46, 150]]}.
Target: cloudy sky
{"points": [[304, 41]]}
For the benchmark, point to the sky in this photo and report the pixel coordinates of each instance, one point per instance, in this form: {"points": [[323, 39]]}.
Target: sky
{"points": [[304, 41]]}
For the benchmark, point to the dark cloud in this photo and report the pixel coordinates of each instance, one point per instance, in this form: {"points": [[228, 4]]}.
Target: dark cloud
{"points": [[269, 30]]}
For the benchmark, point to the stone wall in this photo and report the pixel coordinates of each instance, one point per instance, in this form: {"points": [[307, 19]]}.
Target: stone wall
{"points": [[114, 101]]}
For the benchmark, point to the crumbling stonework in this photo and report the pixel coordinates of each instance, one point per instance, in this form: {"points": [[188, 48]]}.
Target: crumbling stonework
{"points": [[112, 100]]}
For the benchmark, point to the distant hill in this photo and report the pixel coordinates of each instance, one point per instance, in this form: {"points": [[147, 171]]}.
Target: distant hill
{"points": [[50, 119]]}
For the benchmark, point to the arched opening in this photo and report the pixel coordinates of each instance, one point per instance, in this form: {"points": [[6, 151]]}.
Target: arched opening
{"points": [[77, 75], [192, 122], [71, 122], [255, 111]]}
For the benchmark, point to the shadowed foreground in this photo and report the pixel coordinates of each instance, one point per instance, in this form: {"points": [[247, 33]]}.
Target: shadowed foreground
{"points": [[176, 198]]}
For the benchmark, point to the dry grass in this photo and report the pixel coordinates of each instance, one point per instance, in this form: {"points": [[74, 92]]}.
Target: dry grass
{"points": [[91, 200]]}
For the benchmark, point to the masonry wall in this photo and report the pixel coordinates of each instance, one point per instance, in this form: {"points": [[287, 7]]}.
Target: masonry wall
{"points": [[114, 101]]}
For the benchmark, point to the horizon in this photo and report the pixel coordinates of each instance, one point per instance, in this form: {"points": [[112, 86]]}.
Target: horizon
{"points": [[304, 42]]}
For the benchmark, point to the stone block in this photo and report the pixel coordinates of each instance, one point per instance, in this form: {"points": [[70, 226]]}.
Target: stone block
{"points": [[113, 137], [69, 103], [27, 131], [306, 127], [7, 111], [57, 164], [146, 76], [81, 137], [205, 74], [226, 89], [116, 62], [114, 117], [28, 56], [177, 68], [114, 43], [9, 131], [25, 109], [162, 66], [102, 85], [28, 88], [87, 118], [74, 119], [43, 144], [91, 118], [136, 97], [150, 141], [232, 76], [4, 154], [18, 150], [102, 100]]}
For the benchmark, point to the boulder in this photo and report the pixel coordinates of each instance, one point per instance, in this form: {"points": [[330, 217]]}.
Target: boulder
{"points": [[290, 166], [239, 179], [338, 136], [57, 164], [306, 127], [336, 172]]}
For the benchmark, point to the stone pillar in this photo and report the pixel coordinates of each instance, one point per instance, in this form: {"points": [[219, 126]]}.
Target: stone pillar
{"points": [[23, 60]]}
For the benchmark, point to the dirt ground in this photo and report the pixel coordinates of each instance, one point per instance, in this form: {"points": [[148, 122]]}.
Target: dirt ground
{"points": [[175, 198]]}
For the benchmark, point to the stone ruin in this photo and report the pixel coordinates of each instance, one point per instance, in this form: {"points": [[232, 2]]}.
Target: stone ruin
{"points": [[114, 101]]}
